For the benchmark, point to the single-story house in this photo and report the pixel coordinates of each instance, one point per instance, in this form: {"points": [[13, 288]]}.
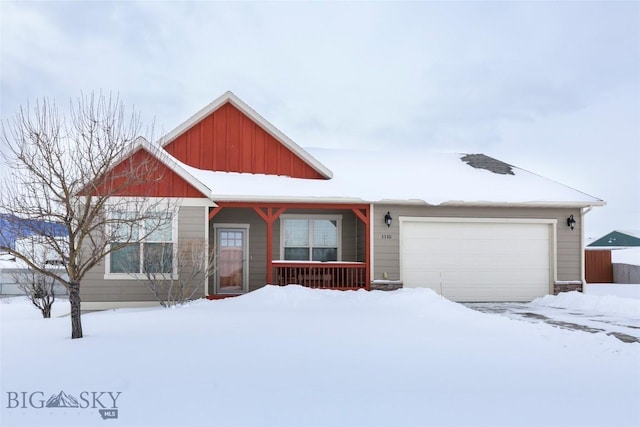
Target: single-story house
{"points": [[468, 226]]}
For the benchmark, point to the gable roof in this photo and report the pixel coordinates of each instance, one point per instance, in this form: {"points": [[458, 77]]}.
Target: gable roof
{"points": [[292, 165], [618, 239], [405, 177], [192, 187], [173, 164]]}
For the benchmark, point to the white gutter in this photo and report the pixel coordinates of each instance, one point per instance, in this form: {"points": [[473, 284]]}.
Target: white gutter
{"points": [[412, 202], [371, 240]]}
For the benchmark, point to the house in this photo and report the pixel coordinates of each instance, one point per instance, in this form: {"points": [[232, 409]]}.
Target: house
{"points": [[26, 235], [469, 226], [15, 273], [13, 228], [614, 258]]}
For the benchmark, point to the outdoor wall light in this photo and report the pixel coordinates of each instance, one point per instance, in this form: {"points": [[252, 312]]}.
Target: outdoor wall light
{"points": [[571, 222], [388, 219]]}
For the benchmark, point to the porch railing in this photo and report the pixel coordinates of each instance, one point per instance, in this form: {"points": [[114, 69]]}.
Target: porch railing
{"points": [[325, 275]]}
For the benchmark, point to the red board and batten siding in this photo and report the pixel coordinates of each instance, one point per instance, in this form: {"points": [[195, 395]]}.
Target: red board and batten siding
{"points": [[229, 141], [164, 182]]}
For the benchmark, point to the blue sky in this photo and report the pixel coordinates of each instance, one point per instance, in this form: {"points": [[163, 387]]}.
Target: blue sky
{"points": [[551, 87]]}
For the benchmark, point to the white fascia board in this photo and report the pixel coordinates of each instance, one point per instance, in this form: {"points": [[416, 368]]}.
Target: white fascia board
{"points": [[250, 112], [288, 199], [575, 205], [411, 202]]}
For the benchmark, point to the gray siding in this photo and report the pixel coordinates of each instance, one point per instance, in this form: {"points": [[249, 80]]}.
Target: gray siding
{"points": [[95, 288], [191, 228], [387, 245]]}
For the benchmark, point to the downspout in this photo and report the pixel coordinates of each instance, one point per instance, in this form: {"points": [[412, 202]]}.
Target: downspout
{"points": [[207, 248], [371, 244], [583, 278]]}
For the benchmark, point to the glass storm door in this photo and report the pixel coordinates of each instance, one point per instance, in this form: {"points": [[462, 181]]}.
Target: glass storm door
{"points": [[231, 277]]}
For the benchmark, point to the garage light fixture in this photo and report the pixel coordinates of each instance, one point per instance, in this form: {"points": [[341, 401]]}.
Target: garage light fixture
{"points": [[571, 222], [388, 219]]}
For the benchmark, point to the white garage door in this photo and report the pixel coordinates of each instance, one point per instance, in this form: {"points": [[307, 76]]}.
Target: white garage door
{"points": [[476, 260]]}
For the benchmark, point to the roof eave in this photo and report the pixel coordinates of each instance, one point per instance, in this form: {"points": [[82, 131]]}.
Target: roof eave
{"points": [[533, 204], [168, 160], [414, 202], [287, 199]]}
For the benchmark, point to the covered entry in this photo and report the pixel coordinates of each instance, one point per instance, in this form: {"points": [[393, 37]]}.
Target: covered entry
{"points": [[320, 245], [478, 259]]}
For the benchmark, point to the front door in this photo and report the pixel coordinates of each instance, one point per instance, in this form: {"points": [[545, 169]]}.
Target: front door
{"points": [[232, 274]]}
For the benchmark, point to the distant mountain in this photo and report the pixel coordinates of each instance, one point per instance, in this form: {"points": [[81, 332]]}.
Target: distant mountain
{"points": [[13, 227], [62, 400]]}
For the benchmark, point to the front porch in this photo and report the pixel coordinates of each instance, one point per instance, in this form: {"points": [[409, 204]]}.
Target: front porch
{"points": [[310, 244]]}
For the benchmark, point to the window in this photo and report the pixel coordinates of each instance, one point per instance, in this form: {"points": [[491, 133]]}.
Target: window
{"points": [[310, 238], [154, 254]]}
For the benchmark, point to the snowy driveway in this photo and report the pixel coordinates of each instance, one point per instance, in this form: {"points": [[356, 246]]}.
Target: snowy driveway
{"points": [[624, 328]]}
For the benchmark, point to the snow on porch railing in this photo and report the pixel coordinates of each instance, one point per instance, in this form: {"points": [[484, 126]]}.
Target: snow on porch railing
{"points": [[325, 275]]}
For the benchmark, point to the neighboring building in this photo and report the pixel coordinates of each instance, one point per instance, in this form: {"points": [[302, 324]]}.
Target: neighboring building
{"points": [[14, 272], [626, 239], [22, 235], [13, 228], [614, 258], [470, 227]]}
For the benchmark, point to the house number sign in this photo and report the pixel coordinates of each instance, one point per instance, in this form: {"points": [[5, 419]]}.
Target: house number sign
{"points": [[386, 236]]}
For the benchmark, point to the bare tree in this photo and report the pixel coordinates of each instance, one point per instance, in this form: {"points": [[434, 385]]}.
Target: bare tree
{"points": [[174, 275], [38, 287], [75, 172]]}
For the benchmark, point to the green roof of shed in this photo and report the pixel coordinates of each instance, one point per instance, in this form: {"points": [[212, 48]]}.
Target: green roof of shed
{"points": [[617, 238]]}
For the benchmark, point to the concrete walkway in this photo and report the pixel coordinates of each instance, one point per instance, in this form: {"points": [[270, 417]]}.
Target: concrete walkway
{"points": [[625, 329]]}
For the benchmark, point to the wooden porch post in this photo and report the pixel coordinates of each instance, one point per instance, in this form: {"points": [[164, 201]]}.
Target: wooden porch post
{"points": [[364, 216], [269, 217]]}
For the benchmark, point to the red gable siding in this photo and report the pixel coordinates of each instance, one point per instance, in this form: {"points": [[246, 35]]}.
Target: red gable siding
{"points": [[229, 141], [164, 182]]}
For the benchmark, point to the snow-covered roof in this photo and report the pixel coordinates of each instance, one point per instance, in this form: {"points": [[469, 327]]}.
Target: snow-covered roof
{"points": [[398, 177], [626, 256]]}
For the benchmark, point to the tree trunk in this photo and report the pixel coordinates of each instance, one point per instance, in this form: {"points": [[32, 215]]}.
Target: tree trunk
{"points": [[46, 312], [74, 300]]}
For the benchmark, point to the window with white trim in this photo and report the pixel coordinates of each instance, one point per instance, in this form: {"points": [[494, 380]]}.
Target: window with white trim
{"points": [[153, 254], [307, 238]]}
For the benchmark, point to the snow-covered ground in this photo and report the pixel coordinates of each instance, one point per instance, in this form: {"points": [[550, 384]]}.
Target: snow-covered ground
{"points": [[605, 313], [294, 357], [613, 289]]}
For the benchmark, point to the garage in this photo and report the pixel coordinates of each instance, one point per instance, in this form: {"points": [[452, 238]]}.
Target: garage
{"points": [[482, 259]]}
